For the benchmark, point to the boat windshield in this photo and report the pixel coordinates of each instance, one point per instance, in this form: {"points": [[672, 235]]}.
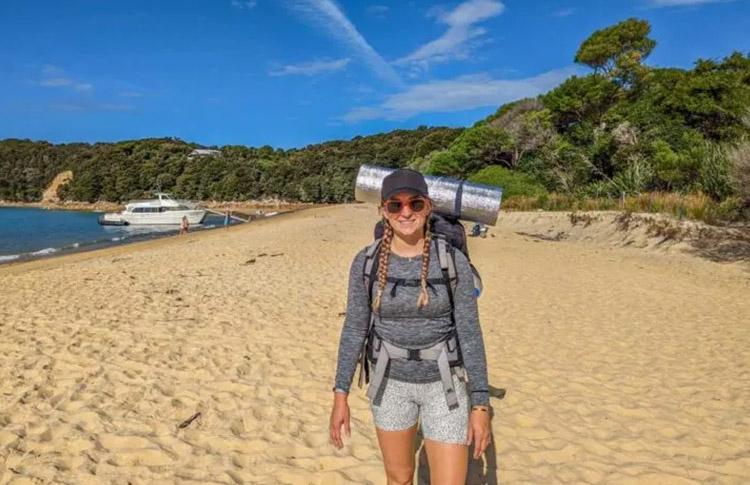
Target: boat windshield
{"points": [[140, 210]]}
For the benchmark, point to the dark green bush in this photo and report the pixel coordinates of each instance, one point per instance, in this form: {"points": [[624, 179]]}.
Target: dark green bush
{"points": [[512, 183]]}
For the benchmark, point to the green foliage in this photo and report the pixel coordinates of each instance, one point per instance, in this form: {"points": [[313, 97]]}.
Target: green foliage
{"points": [[513, 183], [739, 160], [472, 150], [130, 169], [715, 176], [442, 163], [478, 147], [580, 101], [618, 51]]}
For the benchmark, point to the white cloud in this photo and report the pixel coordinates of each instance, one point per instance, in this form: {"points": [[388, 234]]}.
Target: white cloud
{"points": [[378, 10], [244, 4], [565, 12], [455, 42], [681, 3], [310, 68], [50, 70], [460, 94], [55, 82], [54, 77], [83, 106], [327, 16]]}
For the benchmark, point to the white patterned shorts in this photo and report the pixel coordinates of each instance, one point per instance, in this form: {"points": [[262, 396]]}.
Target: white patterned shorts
{"points": [[404, 403]]}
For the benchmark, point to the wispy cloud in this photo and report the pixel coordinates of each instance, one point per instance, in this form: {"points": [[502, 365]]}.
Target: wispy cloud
{"points": [[327, 16], [455, 42], [82, 106], [54, 77], [244, 4], [682, 3], [564, 12], [460, 94], [57, 82], [310, 68], [51, 70], [131, 94], [378, 10]]}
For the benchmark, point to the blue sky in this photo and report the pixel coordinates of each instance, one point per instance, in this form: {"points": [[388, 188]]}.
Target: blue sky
{"points": [[288, 73]]}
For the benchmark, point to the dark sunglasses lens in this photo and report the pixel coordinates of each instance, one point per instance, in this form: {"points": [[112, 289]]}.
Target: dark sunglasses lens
{"points": [[417, 205], [393, 206]]}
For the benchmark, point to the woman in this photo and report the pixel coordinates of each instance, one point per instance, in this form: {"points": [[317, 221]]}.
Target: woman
{"points": [[415, 316]]}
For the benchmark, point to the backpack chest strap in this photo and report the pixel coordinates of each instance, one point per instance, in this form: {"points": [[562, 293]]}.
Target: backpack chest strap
{"points": [[440, 352]]}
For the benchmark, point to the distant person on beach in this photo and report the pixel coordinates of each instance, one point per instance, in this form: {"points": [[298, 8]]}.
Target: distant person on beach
{"points": [[227, 216], [409, 322], [184, 225]]}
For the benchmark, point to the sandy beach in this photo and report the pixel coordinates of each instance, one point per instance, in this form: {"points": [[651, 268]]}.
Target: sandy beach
{"points": [[210, 358]]}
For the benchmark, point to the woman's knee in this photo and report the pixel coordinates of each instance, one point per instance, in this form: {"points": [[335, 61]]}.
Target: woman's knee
{"points": [[399, 474]]}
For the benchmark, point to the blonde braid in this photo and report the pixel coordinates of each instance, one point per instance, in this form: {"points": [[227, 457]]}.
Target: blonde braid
{"points": [[383, 258], [424, 297]]}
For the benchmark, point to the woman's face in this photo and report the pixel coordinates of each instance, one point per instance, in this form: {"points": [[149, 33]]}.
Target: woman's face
{"points": [[407, 213]]}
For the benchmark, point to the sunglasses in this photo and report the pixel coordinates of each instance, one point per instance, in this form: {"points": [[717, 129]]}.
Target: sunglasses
{"points": [[395, 206]]}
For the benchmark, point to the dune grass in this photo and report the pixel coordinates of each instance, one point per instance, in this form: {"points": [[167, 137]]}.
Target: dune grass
{"points": [[696, 206]]}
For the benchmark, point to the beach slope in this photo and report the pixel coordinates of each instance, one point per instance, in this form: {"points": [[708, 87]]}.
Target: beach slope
{"points": [[210, 359]]}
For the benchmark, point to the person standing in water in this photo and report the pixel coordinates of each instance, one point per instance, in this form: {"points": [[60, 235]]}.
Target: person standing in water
{"points": [[415, 318], [184, 225]]}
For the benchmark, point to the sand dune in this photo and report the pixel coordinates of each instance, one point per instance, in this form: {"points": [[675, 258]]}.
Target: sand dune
{"points": [[617, 365]]}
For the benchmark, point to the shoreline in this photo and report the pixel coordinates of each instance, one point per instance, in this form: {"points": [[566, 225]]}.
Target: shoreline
{"points": [[643, 231], [105, 249], [114, 206]]}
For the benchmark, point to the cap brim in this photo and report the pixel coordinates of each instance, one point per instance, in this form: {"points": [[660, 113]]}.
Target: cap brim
{"points": [[398, 190]]}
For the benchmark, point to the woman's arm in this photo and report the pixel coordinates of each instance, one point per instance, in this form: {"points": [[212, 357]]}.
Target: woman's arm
{"points": [[470, 333], [355, 325]]}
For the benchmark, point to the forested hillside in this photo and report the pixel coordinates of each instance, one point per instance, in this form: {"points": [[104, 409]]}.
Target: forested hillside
{"points": [[625, 128], [128, 169]]}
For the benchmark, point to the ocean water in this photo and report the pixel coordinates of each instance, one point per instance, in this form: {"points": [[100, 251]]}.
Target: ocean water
{"points": [[27, 233]]}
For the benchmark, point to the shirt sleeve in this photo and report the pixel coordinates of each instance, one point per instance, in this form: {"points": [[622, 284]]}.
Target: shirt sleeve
{"points": [[470, 333], [355, 327]]}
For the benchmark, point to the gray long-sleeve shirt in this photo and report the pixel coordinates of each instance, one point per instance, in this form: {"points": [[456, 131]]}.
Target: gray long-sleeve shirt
{"points": [[402, 323]]}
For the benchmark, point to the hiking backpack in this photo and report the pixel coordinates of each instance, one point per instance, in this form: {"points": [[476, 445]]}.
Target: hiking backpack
{"points": [[449, 235]]}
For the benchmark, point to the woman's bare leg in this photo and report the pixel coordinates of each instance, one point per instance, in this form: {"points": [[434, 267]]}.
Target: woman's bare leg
{"points": [[398, 454], [448, 462]]}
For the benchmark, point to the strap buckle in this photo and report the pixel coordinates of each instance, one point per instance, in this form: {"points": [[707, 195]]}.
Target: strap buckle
{"points": [[414, 354]]}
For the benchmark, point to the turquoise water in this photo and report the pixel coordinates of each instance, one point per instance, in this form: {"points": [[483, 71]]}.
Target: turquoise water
{"points": [[27, 233]]}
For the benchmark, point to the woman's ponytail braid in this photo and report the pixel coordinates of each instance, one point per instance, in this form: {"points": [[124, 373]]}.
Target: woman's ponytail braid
{"points": [[383, 258], [424, 297]]}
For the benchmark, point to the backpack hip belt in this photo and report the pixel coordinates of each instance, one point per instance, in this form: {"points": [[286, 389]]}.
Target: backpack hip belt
{"points": [[445, 353]]}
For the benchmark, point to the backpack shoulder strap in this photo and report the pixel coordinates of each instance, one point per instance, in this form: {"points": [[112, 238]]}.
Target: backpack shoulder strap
{"points": [[370, 266], [447, 259]]}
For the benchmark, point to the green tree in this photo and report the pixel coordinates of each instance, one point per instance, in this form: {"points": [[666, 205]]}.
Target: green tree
{"points": [[618, 51], [580, 101]]}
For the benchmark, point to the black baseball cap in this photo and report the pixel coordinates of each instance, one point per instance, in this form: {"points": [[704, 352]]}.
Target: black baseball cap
{"points": [[403, 179]]}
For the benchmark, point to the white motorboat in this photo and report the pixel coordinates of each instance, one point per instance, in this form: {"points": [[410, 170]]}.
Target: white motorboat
{"points": [[161, 210]]}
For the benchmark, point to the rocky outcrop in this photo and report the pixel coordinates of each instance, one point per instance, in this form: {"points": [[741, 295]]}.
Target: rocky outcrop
{"points": [[50, 193]]}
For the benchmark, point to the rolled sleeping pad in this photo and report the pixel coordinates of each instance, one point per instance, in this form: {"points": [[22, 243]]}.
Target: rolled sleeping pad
{"points": [[451, 197]]}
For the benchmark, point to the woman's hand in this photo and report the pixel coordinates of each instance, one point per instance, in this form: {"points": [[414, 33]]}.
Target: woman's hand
{"points": [[339, 419], [479, 430]]}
